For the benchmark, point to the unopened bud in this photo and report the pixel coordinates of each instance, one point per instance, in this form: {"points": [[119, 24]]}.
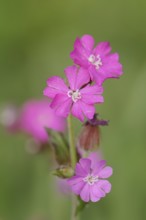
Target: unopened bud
{"points": [[63, 172], [89, 138]]}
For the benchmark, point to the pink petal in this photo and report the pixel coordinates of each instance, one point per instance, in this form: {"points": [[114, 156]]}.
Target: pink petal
{"points": [[88, 110], [79, 171], [77, 188], [71, 74], [83, 78], [78, 58], [105, 172], [91, 94], [92, 90], [102, 49], [92, 99], [105, 185], [77, 78], [85, 193], [97, 167], [61, 104], [94, 197], [95, 157], [74, 180], [97, 191], [88, 42], [80, 54], [86, 164], [111, 68], [80, 47], [76, 111], [98, 76], [112, 65], [55, 85], [49, 92]]}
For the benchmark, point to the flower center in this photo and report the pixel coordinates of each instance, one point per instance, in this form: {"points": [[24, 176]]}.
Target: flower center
{"points": [[95, 60], [90, 179], [75, 95]]}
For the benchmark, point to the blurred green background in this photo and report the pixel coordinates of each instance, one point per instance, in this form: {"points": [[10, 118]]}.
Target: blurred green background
{"points": [[36, 38]]}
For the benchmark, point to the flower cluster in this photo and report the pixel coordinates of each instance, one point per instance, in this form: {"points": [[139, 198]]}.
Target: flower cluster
{"points": [[77, 95], [84, 88]]}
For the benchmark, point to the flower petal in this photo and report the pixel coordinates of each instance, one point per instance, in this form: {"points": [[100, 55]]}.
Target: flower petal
{"points": [[71, 74], [85, 193], [97, 167], [112, 65], [77, 111], [91, 94], [79, 171], [97, 191], [81, 49], [77, 188], [86, 164], [95, 157], [74, 180], [80, 54], [105, 185], [55, 85], [61, 104], [88, 110], [87, 41], [102, 49], [94, 197], [83, 78], [105, 172], [92, 90], [92, 99]]}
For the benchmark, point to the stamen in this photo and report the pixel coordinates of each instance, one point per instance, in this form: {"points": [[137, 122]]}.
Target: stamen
{"points": [[91, 179], [95, 60], [75, 95]]}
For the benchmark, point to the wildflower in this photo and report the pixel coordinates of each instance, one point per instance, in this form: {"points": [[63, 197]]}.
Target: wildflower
{"points": [[78, 98], [89, 180], [36, 115], [100, 63]]}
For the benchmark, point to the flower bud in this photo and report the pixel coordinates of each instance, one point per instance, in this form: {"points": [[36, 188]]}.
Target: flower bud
{"points": [[63, 172], [89, 138]]}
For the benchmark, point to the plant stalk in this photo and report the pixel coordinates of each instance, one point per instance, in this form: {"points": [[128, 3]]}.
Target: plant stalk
{"points": [[73, 156]]}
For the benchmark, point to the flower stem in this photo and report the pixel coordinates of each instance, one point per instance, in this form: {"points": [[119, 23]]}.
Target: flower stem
{"points": [[73, 156]]}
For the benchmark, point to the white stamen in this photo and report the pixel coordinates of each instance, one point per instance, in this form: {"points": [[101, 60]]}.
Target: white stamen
{"points": [[75, 95], [91, 179], [95, 60]]}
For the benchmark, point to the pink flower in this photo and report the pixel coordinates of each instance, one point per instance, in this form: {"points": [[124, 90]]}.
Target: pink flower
{"points": [[100, 63], [89, 180], [36, 115], [78, 98]]}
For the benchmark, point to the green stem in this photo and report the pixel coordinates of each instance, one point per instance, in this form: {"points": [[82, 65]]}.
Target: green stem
{"points": [[73, 156]]}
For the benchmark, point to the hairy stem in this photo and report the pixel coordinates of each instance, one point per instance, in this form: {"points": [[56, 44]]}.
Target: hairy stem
{"points": [[73, 156]]}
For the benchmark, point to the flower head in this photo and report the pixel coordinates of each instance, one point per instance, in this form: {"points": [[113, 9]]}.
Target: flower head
{"points": [[78, 97], [100, 63], [36, 115], [89, 180]]}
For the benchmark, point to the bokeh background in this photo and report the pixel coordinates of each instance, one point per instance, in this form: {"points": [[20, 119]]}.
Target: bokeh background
{"points": [[36, 38]]}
